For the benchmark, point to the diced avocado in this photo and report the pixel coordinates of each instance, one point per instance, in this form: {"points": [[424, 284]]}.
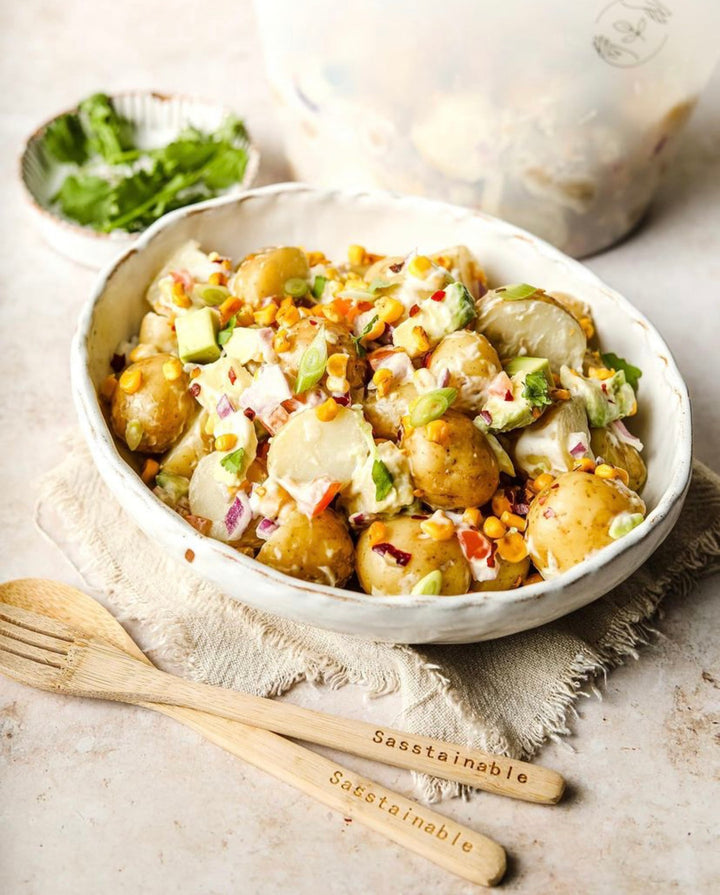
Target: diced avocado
{"points": [[529, 365], [525, 399], [605, 400], [438, 318], [196, 334]]}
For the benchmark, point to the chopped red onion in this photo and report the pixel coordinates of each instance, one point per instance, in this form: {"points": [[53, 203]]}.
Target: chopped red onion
{"points": [[401, 558], [224, 407], [249, 413], [357, 520], [487, 416], [238, 516], [194, 389], [342, 400], [579, 449], [549, 513], [509, 395], [443, 378], [624, 436], [265, 528]]}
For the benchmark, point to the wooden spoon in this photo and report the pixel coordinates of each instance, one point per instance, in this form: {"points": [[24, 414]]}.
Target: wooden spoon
{"points": [[437, 838]]}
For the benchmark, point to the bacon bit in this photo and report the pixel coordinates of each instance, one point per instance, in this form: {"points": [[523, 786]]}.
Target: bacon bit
{"points": [[439, 295], [117, 363], [189, 555], [232, 376], [194, 389], [399, 556], [397, 267], [199, 523], [415, 309], [249, 413], [549, 513]]}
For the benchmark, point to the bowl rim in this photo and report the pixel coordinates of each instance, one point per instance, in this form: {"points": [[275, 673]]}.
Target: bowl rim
{"points": [[121, 237], [113, 466]]}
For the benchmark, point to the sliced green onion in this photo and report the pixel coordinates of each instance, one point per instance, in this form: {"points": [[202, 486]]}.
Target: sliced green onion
{"points": [[296, 287], [378, 283], [383, 480], [312, 363], [233, 462], [624, 523], [318, 287], [176, 485], [430, 585], [431, 406], [212, 295], [133, 434], [224, 334], [517, 291]]}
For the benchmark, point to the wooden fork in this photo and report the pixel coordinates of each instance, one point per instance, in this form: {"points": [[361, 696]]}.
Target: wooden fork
{"points": [[47, 654]]}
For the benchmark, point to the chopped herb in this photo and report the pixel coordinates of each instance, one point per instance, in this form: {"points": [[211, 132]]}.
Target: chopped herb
{"points": [[383, 480], [378, 283], [358, 339], [64, 139], [517, 291], [318, 287], [312, 363], [233, 462], [632, 374], [536, 389], [227, 330]]}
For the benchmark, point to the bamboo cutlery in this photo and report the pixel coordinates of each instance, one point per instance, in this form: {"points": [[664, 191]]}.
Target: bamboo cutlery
{"points": [[57, 638]]}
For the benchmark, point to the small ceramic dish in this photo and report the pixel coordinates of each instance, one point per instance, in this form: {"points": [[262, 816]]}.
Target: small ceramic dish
{"points": [[158, 119], [331, 220]]}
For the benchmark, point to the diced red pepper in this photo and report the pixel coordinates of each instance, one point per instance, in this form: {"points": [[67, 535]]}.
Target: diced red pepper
{"points": [[232, 376], [439, 295], [326, 499], [474, 544]]}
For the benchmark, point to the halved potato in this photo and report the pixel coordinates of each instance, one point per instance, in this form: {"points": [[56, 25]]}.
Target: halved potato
{"points": [[607, 445], [545, 445], [265, 273], [186, 454]]}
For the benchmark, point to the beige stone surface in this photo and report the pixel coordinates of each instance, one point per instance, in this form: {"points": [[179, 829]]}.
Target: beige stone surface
{"points": [[103, 798]]}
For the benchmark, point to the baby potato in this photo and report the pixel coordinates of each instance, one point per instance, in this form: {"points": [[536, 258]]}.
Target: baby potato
{"points": [[161, 408], [570, 519], [385, 414], [507, 576], [607, 445], [471, 362], [338, 341], [379, 573], [183, 457], [265, 273], [461, 472], [158, 331], [318, 549]]}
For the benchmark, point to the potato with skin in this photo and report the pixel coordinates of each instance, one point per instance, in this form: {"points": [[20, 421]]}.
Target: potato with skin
{"points": [[380, 574], [607, 445], [471, 363], [185, 454], [463, 472], [158, 331], [385, 414], [162, 407], [318, 549], [507, 576], [265, 273], [338, 341], [571, 518]]}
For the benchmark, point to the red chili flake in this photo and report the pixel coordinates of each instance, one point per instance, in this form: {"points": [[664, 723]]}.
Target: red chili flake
{"points": [[604, 388], [549, 513], [397, 267], [420, 516], [342, 400], [509, 395], [400, 556], [312, 322], [232, 375], [439, 295], [249, 413], [117, 363], [415, 309], [194, 389], [490, 561]]}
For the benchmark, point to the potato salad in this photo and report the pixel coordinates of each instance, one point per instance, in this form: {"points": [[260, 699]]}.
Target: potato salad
{"points": [[390, 424]]}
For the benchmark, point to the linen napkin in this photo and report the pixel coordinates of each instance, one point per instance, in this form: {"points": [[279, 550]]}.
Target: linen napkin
{"points": [[507, 696]]}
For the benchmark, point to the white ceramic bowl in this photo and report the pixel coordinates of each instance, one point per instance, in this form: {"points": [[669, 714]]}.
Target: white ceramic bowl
{"points": [[158, 119], [296, 214]]}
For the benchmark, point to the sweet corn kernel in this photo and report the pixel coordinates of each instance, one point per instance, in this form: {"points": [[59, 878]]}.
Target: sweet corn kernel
{"points": [[316, 258], [288, 316], [500, 503], [438, 527], [331, 273], [383, 379], [195, 372], [266, 316], [584, 465], [377, 533], [337, 364], [356, 255], [542, 482], [332, 312], [560, 394], [229, 307], [138, 353], [438, 432], [472, 515], [172, 369], [179, 297], [419, 266], [150, 469], [337, 385], [512, 547], [377, 330], [177, 289], [389, 310], [600, 373], [606, 471], [217, 278], [512, 520], [130, 380], [327, 411], [443, 261], [281, 342], [494, 528], [587, 327], [421, 343], [107, 389], [225, 442]]}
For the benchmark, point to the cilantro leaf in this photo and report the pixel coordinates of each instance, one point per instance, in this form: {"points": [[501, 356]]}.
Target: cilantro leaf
{"points": [[536, 389], [64, 139], [378, 283], [226, 167], [632, 374], [85, 199], [108, 134], [358, 339], [382, 478], [233, 462]]}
